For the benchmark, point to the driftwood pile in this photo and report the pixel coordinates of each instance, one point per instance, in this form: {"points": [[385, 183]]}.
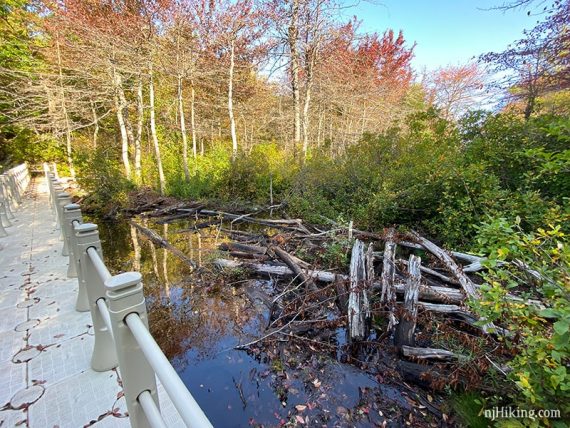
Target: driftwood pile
{"points": [[403, 276]]}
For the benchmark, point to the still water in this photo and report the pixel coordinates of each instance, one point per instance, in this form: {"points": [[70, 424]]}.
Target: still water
{"points": [[198, 324]]}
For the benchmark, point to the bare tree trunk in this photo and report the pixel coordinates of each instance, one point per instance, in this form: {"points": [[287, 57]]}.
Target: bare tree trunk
{"points": [[65, 115], [193, 121], [95, 125], [153, 132], [138, 138], [183, 130], [231, 101], [294, 51], [306, 114], [120, 106]]}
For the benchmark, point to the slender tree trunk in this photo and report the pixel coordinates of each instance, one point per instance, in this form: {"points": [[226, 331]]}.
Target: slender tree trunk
{"points": [[95, 125], [125, 112], [319, 130], [153, 132], [306, 106], [65, 115], [294, 52], [120, 106], [138, 137], [183, 130], [193, 121], [231, 100]]}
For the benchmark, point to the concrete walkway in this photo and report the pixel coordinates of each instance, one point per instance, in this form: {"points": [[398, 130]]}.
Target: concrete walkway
{"points": [[45, 345]]}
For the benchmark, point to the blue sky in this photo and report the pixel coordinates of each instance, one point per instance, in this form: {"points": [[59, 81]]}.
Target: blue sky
{"points": [[446, 31]]}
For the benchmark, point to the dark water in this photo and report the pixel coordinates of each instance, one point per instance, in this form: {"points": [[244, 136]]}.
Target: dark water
{"points": [[197, 324]]}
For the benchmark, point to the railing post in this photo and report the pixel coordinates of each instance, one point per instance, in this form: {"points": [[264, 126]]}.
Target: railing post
{"points": [[7, 181], [16, 191], [2, 230], [54, 166], [71, 214], [6, 199], [55, 188], [4, 215], [104, 355], [63, 199], [125, 296]]}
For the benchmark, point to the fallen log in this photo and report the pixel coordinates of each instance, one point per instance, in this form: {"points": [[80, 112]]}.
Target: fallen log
{"points": [[445, 309], [170, 209], [404, 333], [258, 249], [433, 273], [160, 241], [435, 293], [438, 294], [288, 260], [473, 267], [466, 316], [358, 305], [174, 217], [430, 354], [446, 259], [295, 224], [467, 257], [274, 270]]}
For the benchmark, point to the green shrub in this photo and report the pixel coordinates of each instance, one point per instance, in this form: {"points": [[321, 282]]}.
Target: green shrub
{"points": [[101, 174], [535, 265]]}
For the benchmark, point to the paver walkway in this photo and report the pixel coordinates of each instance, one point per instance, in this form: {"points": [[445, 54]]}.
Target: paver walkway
{"points": [[45, 345]]}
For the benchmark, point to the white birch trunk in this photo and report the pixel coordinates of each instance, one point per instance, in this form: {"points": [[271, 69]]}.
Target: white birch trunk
{"points": [[193, 122], [231, 100], [153, 132], [138, 138], [119, 106], [306, 115], [183, 130], [294, 52], [95, 125], [65, 115]]}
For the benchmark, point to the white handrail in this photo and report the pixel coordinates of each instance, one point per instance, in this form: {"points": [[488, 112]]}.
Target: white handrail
{"points": [[104, 310], [119, 329], [150, 410], [189, 410], [13, 184], [99, 264]]}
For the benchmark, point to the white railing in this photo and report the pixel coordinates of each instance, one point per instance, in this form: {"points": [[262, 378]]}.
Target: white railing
{"points": [[120, 321], [13, 184]]}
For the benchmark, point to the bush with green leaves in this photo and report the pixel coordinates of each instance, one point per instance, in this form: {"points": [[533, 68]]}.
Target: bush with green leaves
{"points": [[533, 265], [101, 175]]}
